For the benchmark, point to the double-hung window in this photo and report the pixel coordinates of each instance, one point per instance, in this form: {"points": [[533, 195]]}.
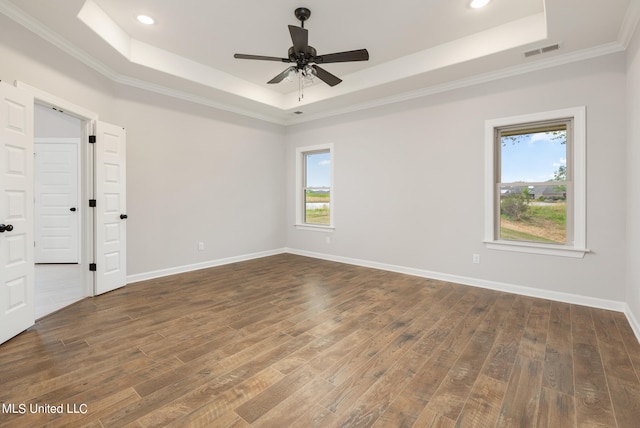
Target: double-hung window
{"points": [[535, 183], [314, 189]]}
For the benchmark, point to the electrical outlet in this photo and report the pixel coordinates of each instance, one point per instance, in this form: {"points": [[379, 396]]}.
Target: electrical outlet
{"points": [[200, 246], [476, 259], [327, 239]]}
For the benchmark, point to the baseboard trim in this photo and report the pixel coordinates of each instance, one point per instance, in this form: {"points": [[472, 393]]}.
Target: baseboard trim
{"points": [[474, 282], [633, 321], [203, 265], [575, 299]]}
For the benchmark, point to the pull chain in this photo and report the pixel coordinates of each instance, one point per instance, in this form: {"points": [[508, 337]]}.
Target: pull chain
{"points": [[300, 87]]}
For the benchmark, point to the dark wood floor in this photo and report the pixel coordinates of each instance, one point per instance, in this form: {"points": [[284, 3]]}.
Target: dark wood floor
{"points": [[288, 341]]}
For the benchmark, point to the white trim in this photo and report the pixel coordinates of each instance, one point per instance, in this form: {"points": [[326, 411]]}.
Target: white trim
{"points": [[300, 151], [491, 76], [60, 42], [633, 321], [579, 162], [150, 56], [87, 118], [49, 100], [628, 25], [575, 299], [203, 265], [537, 248], [314, 228]]}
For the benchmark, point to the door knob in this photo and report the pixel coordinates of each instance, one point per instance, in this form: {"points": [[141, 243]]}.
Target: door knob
{"points": [[72, 209], [8, 228], [123, 216]]}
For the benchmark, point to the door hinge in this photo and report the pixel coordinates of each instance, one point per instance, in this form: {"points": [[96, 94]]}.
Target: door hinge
{"points": [[92, 139], [93, 267], [92, 203]]}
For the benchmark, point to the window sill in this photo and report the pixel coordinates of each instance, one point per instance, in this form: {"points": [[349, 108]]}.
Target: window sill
{"points": [[533, 248], [314, 228]]}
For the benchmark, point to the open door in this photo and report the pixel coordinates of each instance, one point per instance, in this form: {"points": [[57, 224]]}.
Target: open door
{"points": [[17, 305], [111, 208]]}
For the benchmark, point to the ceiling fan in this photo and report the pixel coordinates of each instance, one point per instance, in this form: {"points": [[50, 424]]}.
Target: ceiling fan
{"points": [[306, 58]]}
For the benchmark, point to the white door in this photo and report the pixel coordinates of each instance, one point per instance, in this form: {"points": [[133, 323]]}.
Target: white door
{"points": [[17, 308], [111, 207], [57, 220]]}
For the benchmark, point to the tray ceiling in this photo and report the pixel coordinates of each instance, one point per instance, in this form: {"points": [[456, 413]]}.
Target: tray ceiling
{"points": [[415, 46]]}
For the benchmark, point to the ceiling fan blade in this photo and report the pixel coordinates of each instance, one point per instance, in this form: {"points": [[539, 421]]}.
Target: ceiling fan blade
{"points": [[260, 57], [348, 56], [326, 77], [300, 39], [280, 77]]}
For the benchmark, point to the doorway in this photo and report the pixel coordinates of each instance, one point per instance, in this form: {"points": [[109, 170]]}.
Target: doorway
{"points": [[102, 211], [57, 218]]}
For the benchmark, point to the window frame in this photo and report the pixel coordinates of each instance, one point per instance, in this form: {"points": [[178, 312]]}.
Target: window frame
{"points": [[300, 200], [576, 208]]}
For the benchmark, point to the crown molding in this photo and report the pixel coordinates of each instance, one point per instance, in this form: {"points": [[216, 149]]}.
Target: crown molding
{"points": [[629, 24], [186, 96], [517, 70], [54, 38], [60, 42]]}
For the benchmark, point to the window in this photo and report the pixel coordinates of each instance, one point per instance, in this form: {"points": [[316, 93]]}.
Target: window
{"points": [[535, 183], [314, 191]]}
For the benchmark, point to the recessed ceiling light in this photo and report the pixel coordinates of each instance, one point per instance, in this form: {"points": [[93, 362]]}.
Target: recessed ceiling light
{"points": [[146, 20], [477, 4]]}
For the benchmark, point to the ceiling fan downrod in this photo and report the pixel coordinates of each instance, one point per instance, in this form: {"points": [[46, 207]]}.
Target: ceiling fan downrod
{"points": [[302, 13]]}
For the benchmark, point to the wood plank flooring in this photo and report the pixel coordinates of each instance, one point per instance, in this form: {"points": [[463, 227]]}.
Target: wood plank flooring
{"points": [[289, 341]]}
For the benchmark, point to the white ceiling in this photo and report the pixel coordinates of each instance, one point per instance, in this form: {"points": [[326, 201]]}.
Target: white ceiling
{"points": [[416, 47]]}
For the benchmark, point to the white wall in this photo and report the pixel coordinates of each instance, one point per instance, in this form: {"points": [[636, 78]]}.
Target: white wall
{"points": [[50, 123], [194, 174], [633, 180], [409, 181], [409, 176]]}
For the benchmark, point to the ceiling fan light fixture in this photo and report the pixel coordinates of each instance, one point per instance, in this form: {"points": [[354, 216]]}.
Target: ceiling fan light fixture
{"points": [[290, 75], [308, 73], [477, 4], [145, 19]]}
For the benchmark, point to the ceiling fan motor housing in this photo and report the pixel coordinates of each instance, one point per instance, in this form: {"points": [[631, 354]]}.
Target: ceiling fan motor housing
{"points": [[302, 60]]}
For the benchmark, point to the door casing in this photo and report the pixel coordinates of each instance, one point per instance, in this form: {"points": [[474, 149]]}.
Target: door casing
{"points": [[87, 123]]}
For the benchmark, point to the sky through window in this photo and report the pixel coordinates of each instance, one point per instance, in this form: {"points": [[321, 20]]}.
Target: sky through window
{"points": [[534, 157], [318, 169]]}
